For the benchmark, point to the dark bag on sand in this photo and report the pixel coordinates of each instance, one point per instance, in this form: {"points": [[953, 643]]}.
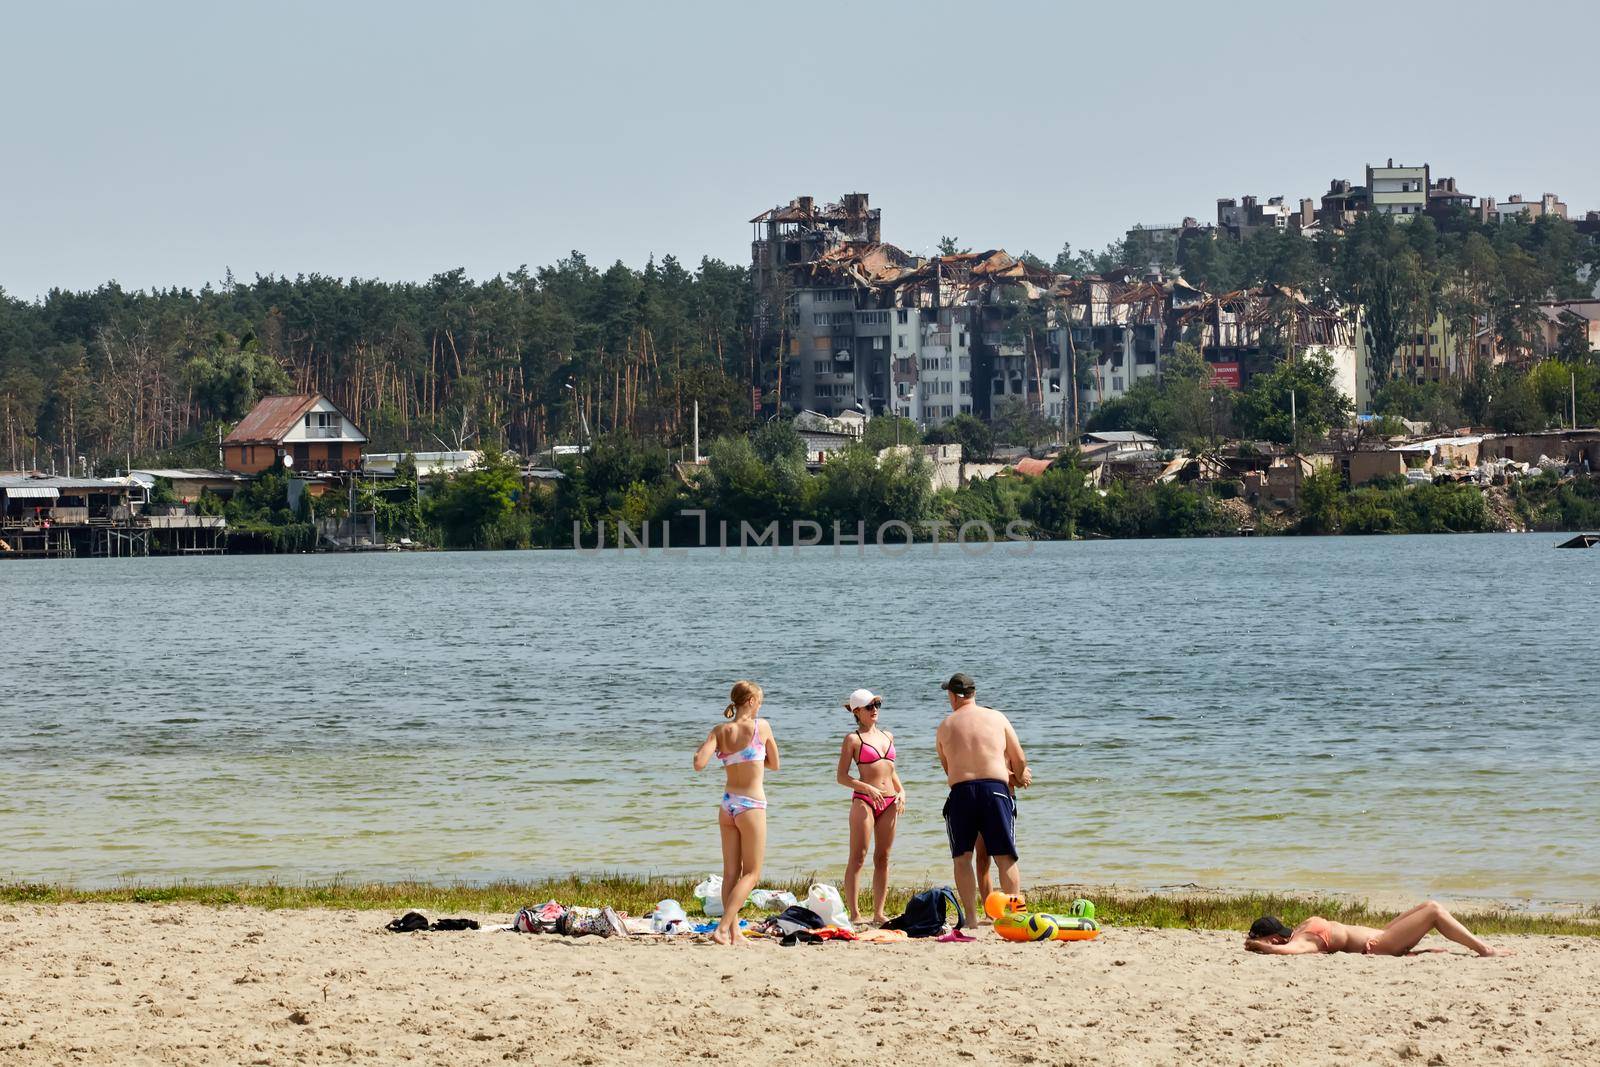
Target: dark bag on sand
{"points": [[925, 913], [411, 920], [794, 919]]}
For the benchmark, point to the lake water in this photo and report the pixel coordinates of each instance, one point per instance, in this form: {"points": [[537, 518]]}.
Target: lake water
{"points": [[1396, 715]]}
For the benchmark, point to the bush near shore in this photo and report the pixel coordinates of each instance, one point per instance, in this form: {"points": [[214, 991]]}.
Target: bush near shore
{"points": [[764, 481], [638, 896]]}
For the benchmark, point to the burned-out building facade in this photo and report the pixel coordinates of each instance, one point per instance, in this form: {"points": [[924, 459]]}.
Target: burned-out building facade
{"points": [[850, 323]]}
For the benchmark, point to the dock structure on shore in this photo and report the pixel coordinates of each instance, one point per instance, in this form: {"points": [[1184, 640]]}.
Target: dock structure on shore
{"points": [[50, 517]]}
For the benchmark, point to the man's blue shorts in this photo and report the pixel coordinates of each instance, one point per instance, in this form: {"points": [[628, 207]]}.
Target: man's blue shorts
{"points": [[981, 806]]}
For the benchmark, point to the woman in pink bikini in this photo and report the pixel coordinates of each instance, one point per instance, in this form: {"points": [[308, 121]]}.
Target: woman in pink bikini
{"points": [[1270, 935], [877, 798], [746, 748]]}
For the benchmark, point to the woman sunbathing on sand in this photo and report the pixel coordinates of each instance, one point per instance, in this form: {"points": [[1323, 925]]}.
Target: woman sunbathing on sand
{"points": [[1270, 935], [745, 746]]}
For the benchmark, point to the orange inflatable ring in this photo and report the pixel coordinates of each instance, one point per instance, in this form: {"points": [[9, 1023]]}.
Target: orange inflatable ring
{"points": [[1013, 927]]}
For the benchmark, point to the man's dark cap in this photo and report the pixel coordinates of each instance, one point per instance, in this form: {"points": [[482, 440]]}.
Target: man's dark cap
{"points": [[961, 684]]}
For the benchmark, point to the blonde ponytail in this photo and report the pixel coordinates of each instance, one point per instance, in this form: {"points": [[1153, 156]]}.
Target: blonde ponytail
{"points": [[743, 693]]}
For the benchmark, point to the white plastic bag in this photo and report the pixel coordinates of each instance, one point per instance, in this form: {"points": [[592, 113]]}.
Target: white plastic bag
{"points": [[710, 894], [773, 899], [668, 918], [829, 905]]}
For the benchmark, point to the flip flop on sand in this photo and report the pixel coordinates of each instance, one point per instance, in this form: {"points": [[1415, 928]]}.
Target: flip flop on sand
{"points": [[955, 937]]}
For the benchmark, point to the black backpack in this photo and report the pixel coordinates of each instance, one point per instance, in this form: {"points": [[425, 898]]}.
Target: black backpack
{"points": [[925, 913]]}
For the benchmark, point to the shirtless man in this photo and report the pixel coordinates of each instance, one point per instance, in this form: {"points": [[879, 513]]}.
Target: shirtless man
{"points": [[981, 757]]}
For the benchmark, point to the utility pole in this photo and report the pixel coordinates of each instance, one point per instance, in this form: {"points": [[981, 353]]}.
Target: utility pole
{"points": [[697, 431], [1294, 423]]}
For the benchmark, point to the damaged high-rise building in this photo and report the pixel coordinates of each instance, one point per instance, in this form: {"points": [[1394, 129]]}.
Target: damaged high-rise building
{"points": [[863, 325], [848, 322]]}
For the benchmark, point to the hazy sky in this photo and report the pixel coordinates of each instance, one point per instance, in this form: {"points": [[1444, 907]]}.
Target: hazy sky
{"points": [[162, 144]]}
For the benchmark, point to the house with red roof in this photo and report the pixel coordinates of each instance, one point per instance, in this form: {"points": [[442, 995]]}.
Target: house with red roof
{"points": [[306, 430]]}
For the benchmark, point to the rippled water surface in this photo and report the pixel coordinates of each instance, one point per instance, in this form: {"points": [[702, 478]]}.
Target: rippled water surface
{"points": [[1405, 714]]}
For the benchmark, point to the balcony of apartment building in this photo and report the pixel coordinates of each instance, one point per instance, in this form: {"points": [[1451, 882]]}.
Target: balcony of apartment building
{"points": [[873, 322]]}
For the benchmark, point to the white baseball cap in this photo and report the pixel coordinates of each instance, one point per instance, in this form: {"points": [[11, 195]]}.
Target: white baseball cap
{"points": [[860, 699]]}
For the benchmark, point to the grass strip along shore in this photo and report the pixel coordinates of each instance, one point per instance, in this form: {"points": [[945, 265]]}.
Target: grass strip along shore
{"points": [[1199, 910]]}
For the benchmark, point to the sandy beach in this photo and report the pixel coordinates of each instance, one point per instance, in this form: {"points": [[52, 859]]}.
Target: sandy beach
{"points": [[184, 984]]}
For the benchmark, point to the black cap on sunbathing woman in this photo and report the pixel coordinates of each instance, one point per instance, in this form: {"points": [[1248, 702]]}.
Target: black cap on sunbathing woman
{"points": [[1268, 926]]}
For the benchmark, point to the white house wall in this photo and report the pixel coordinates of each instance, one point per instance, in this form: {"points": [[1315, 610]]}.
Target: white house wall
{"points": [[302, 433]]}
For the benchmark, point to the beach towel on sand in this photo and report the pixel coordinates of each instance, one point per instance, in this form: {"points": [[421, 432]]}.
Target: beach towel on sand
{"points": [[925, 913], [546, 918]]}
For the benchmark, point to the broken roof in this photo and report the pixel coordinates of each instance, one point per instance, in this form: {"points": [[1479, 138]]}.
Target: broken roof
{"points": [[803, 209], [867, 264], [995, 265]]}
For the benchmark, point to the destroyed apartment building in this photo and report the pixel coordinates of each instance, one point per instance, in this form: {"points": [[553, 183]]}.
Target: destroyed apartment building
{"points": [[864, 326]]}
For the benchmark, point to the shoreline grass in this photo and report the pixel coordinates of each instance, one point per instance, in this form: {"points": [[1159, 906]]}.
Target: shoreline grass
{"points": [[1199, 910]]}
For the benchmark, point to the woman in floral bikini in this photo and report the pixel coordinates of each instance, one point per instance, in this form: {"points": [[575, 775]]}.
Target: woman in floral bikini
{"points": [[746, 748]]}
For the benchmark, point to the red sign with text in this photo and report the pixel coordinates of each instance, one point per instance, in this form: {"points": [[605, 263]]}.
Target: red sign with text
{"points": [[1225, 375]]}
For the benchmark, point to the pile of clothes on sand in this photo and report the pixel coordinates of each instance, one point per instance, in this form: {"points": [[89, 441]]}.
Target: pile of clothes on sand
{"points": [[820, 918]]}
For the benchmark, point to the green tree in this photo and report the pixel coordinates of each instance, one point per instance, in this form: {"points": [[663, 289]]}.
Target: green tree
{"points": [[778, 439], [1264, 410], [228, 376], [968, 431], [478, 508], [162, 493], [1017, 422], [1321, 498], [746, 489], [1070, 263], [1057, 497], [856, 485], [1379, 271], [1184, 512], [1140, 409], [1436, 403], [889, 430], [1507, 402]]}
